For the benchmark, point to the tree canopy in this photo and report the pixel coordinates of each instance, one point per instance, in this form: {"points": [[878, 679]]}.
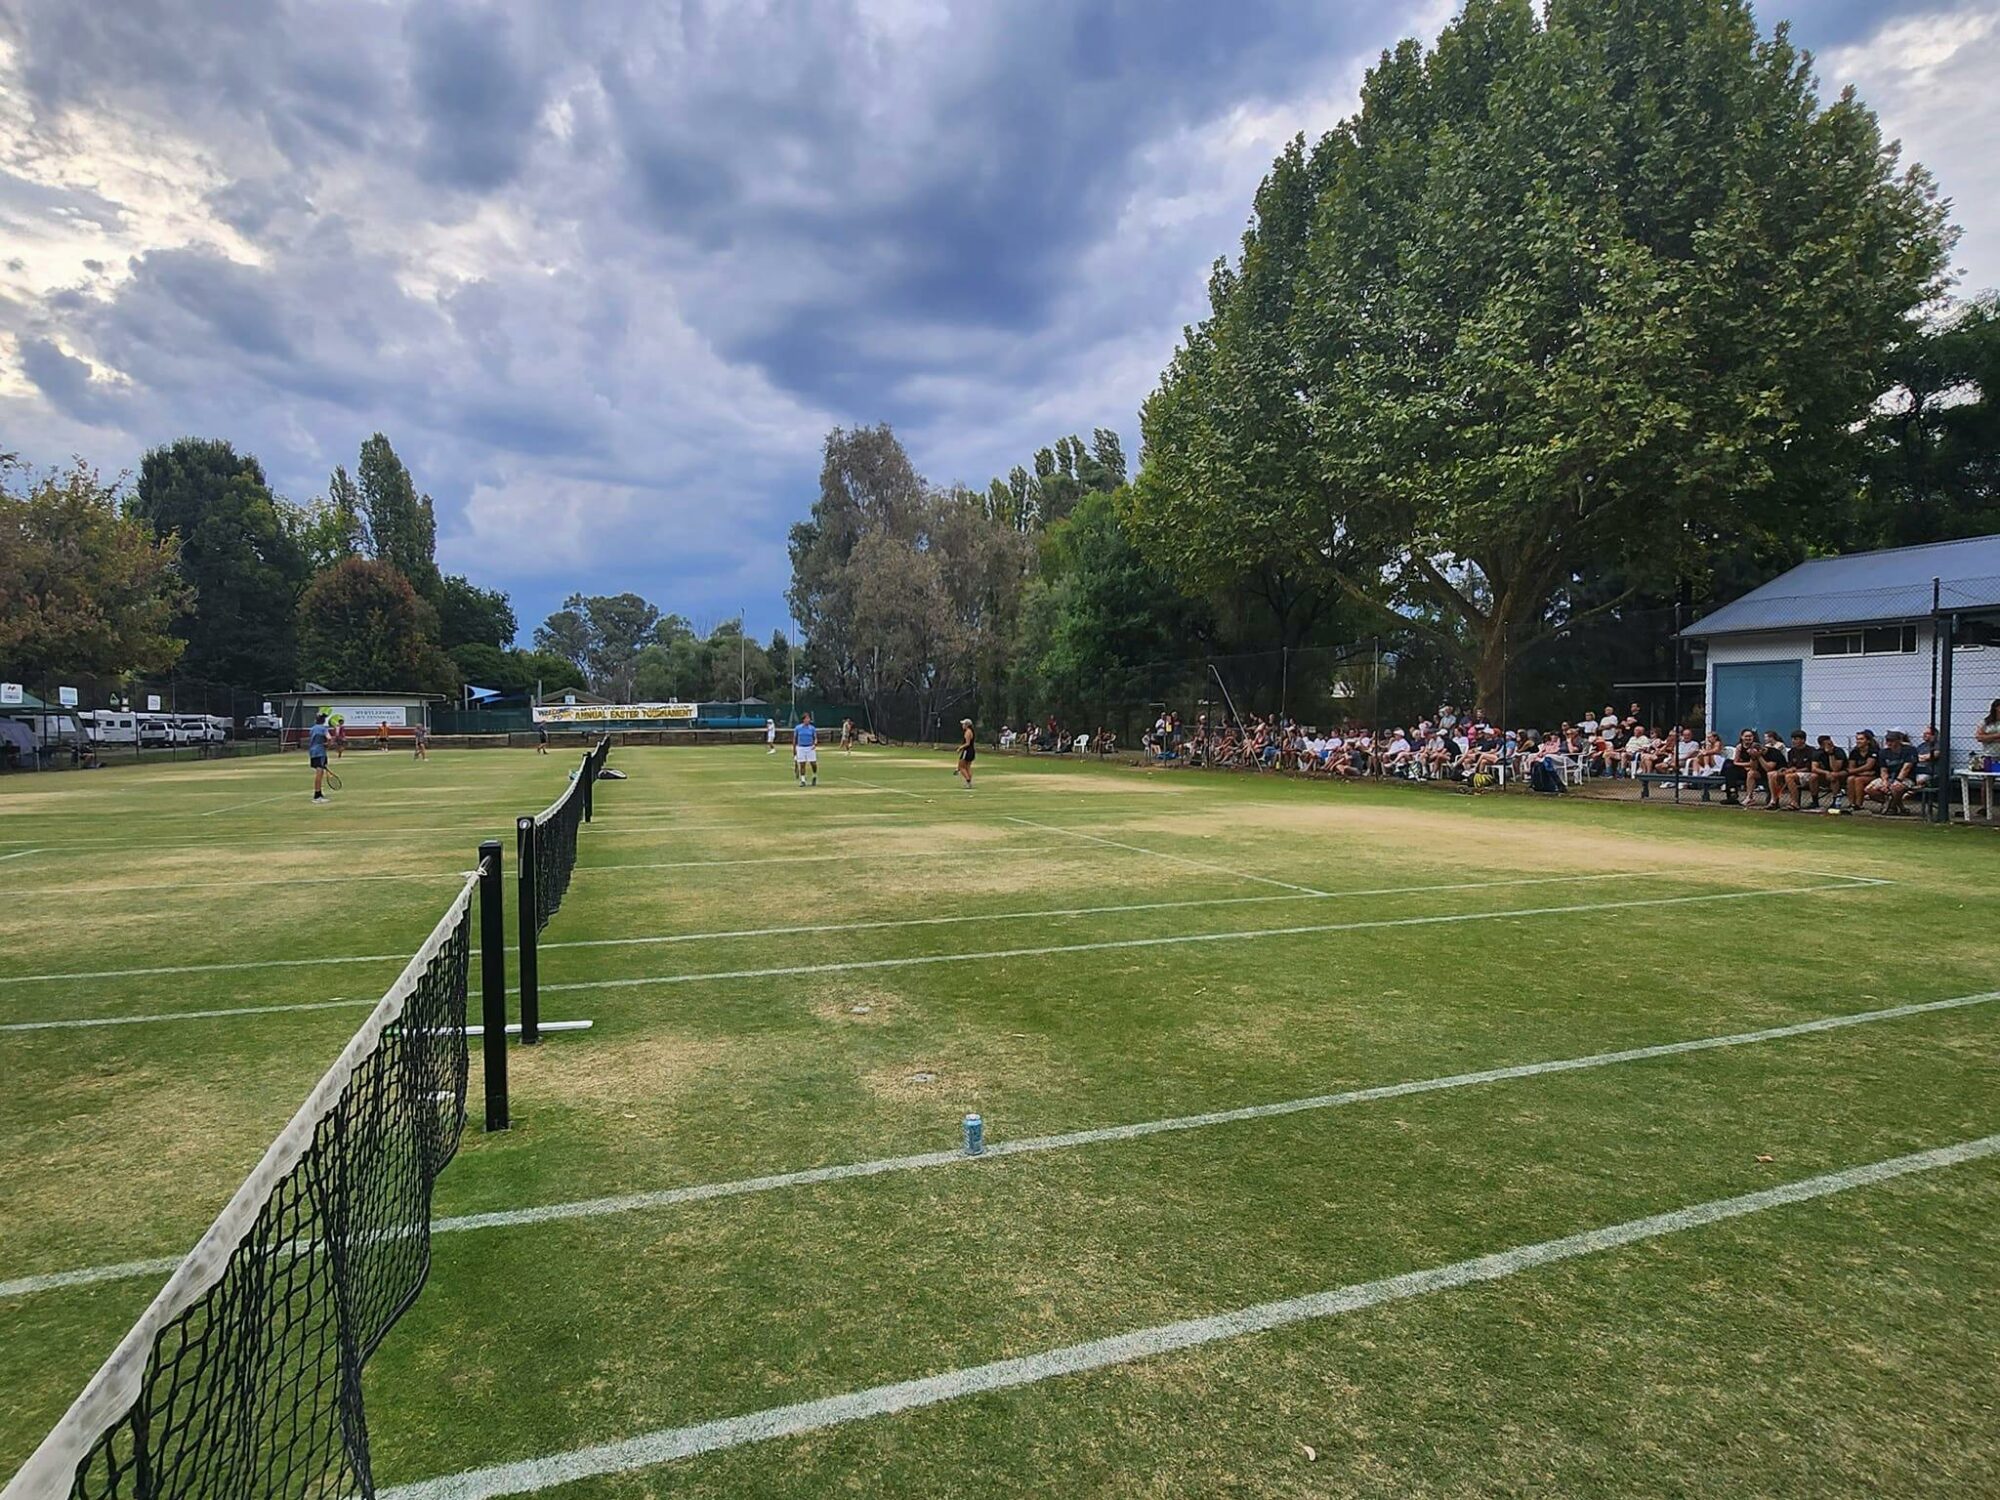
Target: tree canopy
{"points": [[242, 562], [363, 627], [1574, 290], [83, 588]]}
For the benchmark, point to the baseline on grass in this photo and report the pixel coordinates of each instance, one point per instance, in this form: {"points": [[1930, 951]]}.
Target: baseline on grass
{"points": [[243, 1377]]}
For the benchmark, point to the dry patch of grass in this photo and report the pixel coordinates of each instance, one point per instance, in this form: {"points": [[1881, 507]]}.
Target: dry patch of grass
{"points": [[862, 1004], [616, 1070], [1447, 833]]}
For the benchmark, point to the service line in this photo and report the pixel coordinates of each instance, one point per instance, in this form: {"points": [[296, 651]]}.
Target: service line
{"points": [[1178, 939], [594, 1208], [1199, 864], [827, 927]]}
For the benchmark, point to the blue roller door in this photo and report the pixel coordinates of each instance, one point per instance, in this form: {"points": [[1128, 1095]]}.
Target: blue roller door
{"points": [[1756, 695]]}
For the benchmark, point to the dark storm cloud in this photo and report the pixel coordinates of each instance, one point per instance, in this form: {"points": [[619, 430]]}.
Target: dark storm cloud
{"points": [[606, 272], [479, 100], [66, 382]]}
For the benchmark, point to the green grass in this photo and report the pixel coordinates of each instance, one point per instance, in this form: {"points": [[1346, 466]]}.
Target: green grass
{"points": [[1836, 1346]]}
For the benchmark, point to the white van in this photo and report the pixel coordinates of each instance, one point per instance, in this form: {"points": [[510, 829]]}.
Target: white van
{"points": [[110, 726]]}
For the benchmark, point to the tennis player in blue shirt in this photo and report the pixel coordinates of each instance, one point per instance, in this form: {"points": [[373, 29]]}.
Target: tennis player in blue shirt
{"points": [[805, 750], [316, 756]]}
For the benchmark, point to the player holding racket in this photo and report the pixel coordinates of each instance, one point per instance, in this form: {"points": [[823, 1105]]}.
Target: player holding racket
{"points": [[805, 750], [316, 738]]}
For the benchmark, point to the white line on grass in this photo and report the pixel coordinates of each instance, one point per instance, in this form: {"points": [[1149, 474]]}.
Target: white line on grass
{"points": [[72, 892], [253, 802], [1855, 883], [670, 1197], [594, 1208], [894, 790], [1177, 939], [80, 1022], [577, 873], [1199, 864], [670, 1444], [826, 927], [19, 854]]}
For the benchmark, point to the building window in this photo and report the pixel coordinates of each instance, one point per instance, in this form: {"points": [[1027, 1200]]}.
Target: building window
{"points": [[1876, 640]]}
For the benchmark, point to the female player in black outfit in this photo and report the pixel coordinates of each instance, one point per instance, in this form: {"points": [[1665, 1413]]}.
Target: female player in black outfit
{"points": [[965, 753]]}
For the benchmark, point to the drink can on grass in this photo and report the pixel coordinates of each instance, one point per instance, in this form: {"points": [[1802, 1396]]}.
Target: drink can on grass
{"points": [[975, 1135]]}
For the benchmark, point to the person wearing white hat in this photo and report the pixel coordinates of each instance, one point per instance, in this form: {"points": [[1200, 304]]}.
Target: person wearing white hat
{"points": [[966, 752]]}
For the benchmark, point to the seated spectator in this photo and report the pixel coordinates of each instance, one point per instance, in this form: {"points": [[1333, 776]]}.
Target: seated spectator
{"points": [[1399, 755], [1829, 772], [1772, 759], [1794, 773], [1864, 764], [1743, 771], [1930, 758], [1637, 751], [1895, 774]]}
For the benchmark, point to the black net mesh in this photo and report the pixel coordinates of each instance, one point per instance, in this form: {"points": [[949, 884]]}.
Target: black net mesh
{"points": [[253, 1388], [555, 836]]}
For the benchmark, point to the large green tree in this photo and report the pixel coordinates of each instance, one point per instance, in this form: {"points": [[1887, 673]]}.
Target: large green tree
{"points": [[867, 484], [468, 614], [1933, 463], [362, 626], [1231, 501], [907, 593], [239, 553], [400, 524], [514, 673], [83, 589], [603, 634], [1097, 613], [1582, 291]]}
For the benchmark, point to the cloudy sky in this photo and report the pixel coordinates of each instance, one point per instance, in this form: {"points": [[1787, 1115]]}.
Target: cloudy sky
{"points": [[607, 273]]}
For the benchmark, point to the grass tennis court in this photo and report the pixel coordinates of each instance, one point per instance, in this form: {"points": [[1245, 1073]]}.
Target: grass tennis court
{"points": [[787, 980]]}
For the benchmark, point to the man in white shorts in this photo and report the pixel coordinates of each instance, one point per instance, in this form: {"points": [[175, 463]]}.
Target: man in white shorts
{"points": [[805, 750], [770, 736]]}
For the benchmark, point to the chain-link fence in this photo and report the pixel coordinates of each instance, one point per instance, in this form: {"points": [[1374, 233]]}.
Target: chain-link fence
{"points": [[69, 721]]}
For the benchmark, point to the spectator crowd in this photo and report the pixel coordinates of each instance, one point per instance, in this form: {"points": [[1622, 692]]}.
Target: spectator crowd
{"points": [[1891, 773]]}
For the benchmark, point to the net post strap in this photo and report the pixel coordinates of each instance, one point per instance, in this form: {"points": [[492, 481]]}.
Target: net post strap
{"points": [[50, 1471]]}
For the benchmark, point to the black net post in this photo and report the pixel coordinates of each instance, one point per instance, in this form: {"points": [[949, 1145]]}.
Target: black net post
{"points": [[530, 916], [1946, 626], [589, 774], [493, 983]]}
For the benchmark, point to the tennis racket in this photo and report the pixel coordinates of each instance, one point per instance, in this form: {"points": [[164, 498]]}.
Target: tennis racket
{"points": [[331, 780]]}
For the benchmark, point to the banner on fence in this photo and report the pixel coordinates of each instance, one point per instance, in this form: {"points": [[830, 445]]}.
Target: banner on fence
{"points": [[368, 715], [616, 713]]}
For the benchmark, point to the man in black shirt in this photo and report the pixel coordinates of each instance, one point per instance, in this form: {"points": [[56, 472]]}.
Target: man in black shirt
{"points": [[1864, 764], [1796, 776]]}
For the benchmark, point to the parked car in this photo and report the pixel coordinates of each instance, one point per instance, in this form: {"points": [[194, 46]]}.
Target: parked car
{"points": [[157, 733], [262, 727]]}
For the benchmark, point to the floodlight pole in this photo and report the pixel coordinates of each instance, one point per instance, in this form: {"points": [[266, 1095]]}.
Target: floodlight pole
{"points": [[493, 983]]}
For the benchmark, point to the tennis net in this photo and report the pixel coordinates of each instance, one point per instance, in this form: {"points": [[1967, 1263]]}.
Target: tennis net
{"points": [[243, 1378], [554, 854]]}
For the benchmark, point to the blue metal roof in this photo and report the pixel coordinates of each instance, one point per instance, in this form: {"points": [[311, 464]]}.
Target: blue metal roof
{"points": [[1866, 588]]}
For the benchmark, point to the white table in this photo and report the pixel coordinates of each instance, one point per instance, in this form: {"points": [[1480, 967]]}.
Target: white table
{"points": [[1965, 780]]}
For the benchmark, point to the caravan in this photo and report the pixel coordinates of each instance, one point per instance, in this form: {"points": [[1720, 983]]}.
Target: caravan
{"points": [[110, 726]]}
